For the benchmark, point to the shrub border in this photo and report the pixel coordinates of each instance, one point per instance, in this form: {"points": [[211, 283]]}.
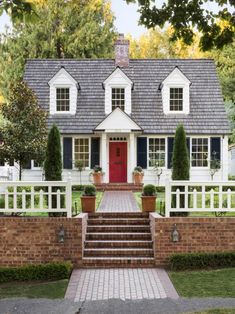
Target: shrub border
{"points": [[195, 261]]}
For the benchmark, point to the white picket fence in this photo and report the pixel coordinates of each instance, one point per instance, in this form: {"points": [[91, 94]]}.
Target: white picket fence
{"points": [[34, 197], [188, 196]]}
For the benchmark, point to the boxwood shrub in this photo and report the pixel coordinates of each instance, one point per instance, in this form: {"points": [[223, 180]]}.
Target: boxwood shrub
{"points": [[48, 271], [190, 261]]}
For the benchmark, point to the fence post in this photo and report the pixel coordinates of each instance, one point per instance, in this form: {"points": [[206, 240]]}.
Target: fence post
{"points": [[69, 197], [167, 197]]}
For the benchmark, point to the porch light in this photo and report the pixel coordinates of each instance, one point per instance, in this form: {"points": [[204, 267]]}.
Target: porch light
{"points": [[175, 234], [61, 234]]}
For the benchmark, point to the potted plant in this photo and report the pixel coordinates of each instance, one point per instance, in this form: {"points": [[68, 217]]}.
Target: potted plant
{"points": [[97, 174], [148, 198], [138, 175], [88, 199]]}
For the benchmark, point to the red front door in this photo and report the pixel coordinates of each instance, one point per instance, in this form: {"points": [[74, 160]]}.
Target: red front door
{"points": [[117, 162]]}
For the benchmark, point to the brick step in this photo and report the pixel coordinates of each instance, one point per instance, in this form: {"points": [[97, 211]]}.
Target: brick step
{"points": [[121, 252], [118, 228], [118, 221], [110, 236], [118, 215], [119, 244], [111, 262]]}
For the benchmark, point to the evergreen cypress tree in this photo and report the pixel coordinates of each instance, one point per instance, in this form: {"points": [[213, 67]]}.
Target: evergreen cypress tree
{"points": [[53, 162], [180, 159], [180, 164]]}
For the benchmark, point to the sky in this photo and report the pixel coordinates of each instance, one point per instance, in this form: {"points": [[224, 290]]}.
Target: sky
{"points": [[126, 18]]}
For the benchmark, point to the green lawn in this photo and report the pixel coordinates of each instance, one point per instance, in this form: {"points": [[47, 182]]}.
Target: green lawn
{"points": [[48, 290], [213, 283]]}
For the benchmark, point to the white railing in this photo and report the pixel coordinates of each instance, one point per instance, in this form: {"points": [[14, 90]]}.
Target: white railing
{"points": [[35, 197], [188, 196]]}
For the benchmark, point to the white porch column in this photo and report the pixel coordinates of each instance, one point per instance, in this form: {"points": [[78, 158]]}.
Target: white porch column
{"points": [[132, 158], [224, 158], [104, 163]]}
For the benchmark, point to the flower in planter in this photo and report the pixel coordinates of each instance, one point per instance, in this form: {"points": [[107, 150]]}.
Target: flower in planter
{"points": [[138, 175], [97, 174]]}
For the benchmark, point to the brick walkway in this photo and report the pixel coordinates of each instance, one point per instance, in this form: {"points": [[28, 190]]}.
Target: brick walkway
{"points": [[118, 201], [119, 283]]}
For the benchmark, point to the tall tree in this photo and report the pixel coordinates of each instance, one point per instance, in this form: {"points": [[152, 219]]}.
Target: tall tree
{"points": [[64, 29], [24, 133], [187, 16], [180, 158], [53, 162], [155, 43]]}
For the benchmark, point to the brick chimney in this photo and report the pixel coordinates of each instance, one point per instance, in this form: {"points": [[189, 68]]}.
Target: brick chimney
{"points": [[122, 51]]}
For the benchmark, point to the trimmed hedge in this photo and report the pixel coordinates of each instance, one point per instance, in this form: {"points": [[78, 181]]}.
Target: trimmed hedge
{"points": [[190, 261], [49, 271]]}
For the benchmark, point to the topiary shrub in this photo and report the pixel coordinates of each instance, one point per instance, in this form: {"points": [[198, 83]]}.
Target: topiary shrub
{"points": [[149, 190], [89, 190], [138, 169], [48, 271], [191, 261]]}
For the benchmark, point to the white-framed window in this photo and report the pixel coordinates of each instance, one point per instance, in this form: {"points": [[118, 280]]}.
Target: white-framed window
{"points": [[118, 98], [62, 99], [199, 152], [175, 93], [82, 151], [156, 152], [176, 98]]}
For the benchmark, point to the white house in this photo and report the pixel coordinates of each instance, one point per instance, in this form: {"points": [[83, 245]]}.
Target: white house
{"points": [[120, 113]]}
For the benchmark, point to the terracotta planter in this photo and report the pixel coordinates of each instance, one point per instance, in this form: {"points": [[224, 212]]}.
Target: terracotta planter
{"points": [[148, 203], [97, 177], [88, 204], [138, 177]]}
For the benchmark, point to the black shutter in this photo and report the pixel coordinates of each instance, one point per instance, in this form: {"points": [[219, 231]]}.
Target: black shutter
{"points": [[67, 153], [170, 144], [188, 146], [95, 152], [142, 152], [27, 165], [215, 148]]}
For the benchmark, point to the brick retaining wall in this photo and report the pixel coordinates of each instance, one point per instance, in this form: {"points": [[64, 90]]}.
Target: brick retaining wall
{"points": [[196, 235], [35, 240]]}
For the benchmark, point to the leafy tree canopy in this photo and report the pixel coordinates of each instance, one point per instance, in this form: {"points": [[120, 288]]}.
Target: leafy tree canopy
{"points": [[25, 129], [18, 10], [64, 29], [186, 17]]}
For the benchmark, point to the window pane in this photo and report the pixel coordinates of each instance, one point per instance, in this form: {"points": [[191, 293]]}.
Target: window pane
{"points": [[157, 152], [118, 98], [81, 151], [176, 99], [199, 152], [62, 99]]}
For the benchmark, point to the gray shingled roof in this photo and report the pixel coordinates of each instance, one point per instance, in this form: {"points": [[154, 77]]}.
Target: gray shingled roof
{"points": [[207, 113]]}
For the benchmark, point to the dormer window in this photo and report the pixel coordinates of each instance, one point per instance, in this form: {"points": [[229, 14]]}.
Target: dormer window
{"points": [[118, 98], [118, 89], [176, 99], [175, 93], [62, 99], [63, 93]]}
